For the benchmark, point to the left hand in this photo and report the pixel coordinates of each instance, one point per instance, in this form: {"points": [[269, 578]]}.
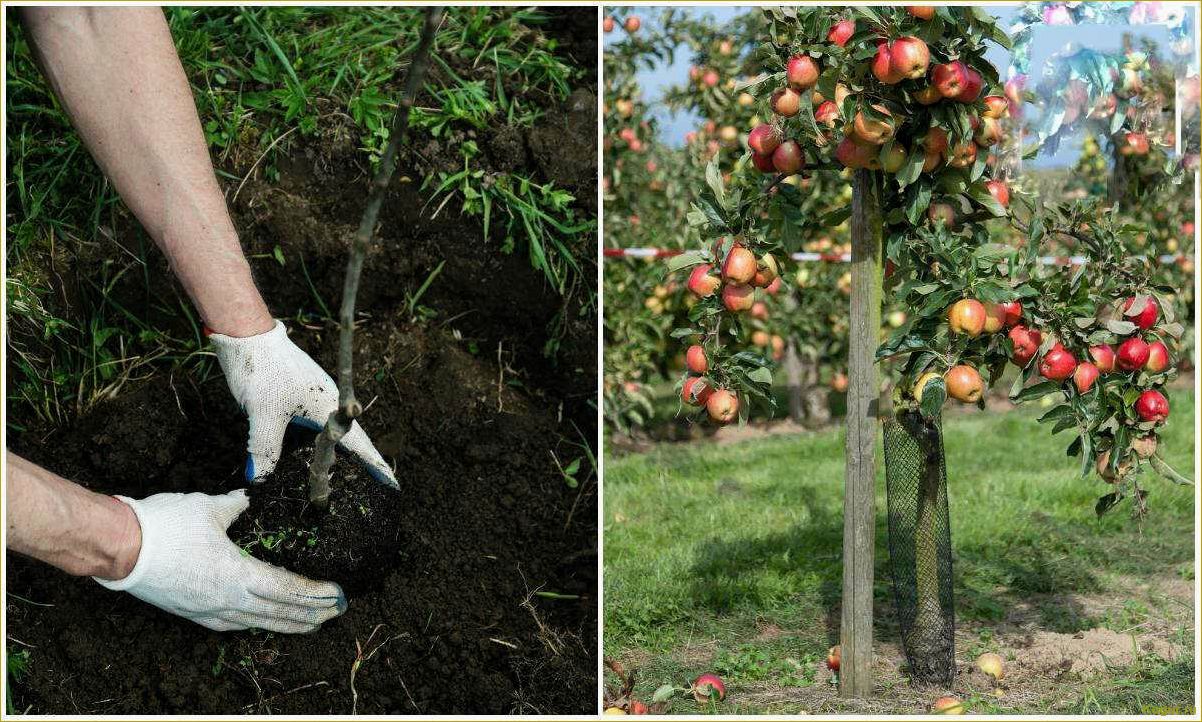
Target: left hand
{"points": [[276, 384]]}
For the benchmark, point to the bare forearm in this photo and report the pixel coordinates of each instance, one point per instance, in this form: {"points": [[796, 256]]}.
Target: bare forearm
{"points": [[116, 72], [67, 526]]}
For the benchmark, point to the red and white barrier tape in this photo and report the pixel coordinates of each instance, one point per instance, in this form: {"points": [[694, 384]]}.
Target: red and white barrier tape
{"points": [[846, 257]]}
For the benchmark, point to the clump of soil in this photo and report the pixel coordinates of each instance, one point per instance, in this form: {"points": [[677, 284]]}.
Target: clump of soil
{"points": [[441, 576], [283, 528]]}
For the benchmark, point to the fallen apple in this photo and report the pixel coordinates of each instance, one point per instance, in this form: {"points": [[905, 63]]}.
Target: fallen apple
{"points": [[948, 705], [834, 656], [707, 687], [991, 664]]}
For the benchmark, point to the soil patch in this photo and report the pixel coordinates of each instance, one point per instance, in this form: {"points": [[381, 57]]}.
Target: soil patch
{"points": [[461, 397]]}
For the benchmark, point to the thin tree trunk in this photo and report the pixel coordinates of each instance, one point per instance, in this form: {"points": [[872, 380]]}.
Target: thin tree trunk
{"points": [[349, 408], [793, 380]]}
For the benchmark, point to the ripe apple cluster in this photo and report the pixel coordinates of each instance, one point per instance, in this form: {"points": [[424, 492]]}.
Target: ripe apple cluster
{"points": [[740, 275], [875, 137]]}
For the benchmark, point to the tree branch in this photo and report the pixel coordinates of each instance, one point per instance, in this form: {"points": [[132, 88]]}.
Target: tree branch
{"points": [[349, 408]]}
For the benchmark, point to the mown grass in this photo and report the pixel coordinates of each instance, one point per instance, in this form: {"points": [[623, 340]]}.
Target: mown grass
{"points": [[728, 557], [264, 79]]}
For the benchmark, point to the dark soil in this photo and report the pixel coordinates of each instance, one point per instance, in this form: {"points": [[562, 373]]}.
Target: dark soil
{"points": [[466, 404]]}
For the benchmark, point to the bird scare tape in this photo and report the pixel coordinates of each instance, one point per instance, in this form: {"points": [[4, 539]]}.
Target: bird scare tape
{"points": [[806, 257], [920, 545]]}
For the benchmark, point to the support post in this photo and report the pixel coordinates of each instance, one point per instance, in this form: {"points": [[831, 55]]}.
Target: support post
{"points": [[863, 394]]}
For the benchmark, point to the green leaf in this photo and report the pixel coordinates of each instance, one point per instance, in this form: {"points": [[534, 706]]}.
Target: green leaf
{"points": [[934, 394], [685, 260], [663, 693]]}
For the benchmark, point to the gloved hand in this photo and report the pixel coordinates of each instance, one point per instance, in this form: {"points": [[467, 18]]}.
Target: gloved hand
{"points": [[276, 383], [188, 566]]}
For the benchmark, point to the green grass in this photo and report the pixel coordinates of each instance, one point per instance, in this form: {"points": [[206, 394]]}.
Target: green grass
{"points": [[729, 556], [264, 79]]}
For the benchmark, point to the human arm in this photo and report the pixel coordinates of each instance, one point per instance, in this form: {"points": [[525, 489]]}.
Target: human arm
{"points": [[117, 75], [169, 550]]}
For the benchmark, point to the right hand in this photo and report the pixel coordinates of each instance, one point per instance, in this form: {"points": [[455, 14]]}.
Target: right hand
{"points": [[188, 566], [277, 384]]}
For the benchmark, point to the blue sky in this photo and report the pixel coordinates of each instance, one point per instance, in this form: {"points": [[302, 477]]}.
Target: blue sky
{"points": [[1047, 40]]}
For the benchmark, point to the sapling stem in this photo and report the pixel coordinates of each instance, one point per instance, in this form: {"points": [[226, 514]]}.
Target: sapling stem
{"points": [[339, 421]]}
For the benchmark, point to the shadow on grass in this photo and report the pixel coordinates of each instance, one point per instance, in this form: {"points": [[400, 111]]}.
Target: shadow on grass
{"points": [[737, 577]]}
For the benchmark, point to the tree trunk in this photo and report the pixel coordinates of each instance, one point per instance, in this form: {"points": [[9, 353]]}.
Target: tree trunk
{"points": [[859, 500], [794, 381]]}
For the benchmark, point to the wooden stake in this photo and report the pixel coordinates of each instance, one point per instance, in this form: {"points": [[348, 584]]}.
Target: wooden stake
{"points": [[863, 394]]}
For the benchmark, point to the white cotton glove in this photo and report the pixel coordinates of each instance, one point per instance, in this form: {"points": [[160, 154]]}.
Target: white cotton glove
{"points": [[188, 566], [276, 383]]}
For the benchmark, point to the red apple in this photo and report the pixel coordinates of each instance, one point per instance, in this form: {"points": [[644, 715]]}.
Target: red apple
{"points": [[967, 316], [872, 130], [944, 212], [834, 657], [973, 82], [1057, 364], [764, 138], [801, 72], [608, 24], [827, 113], [931, 161], [928, 95], [1084, 376], [722, 406], [637, 707], [995, 106], [773, 288], [1000, 191], [1026, 344], [739, 266], [702, 282], [695, 359], [948, 705], [963, 384], [707, 685], [710, 78], [936, 140], [788, 158], [1133, 354], [1146, 318], [1103, 357], [922, 12], [1014, 313], [633, 23], [786, 102], [950, 78], [1152, 406], [909, 57], [882, 65], [962, 156], [853, 155], [841, 31], [759, 310], [989, 132], [1158, 357], [738, 297], [696, 391], [763, 163], [995, 317]]}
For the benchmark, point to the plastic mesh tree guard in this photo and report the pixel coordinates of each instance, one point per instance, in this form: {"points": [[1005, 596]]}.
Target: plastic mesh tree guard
{"points": [[920, 545]]}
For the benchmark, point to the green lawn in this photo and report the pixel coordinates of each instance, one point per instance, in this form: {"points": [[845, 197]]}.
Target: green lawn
{"points": [[726, 558]]}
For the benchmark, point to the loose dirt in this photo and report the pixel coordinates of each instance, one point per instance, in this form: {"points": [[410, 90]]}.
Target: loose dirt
{"points": [[442, 577]]}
